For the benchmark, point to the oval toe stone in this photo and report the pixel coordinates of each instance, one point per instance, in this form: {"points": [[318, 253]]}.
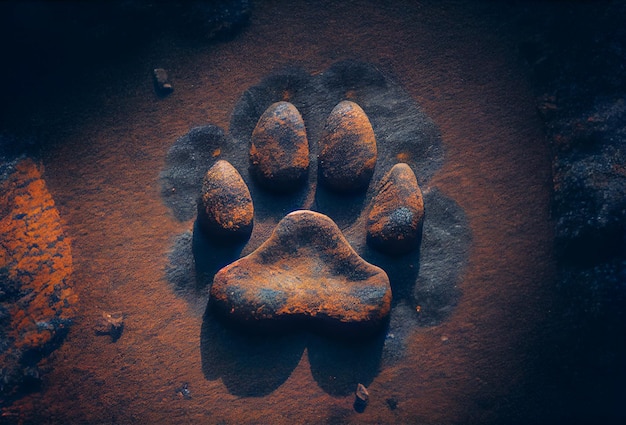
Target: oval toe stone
{"points": [[395, 220], [279, 149], [307, 271], [225, 208], [347, 149]]}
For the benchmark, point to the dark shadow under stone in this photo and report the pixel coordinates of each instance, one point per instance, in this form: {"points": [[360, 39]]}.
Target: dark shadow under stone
{"points": [[249, 364]]}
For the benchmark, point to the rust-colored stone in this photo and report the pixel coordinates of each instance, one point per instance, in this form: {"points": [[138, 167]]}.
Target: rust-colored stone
{"points": [[395, 220], [347, 149], [305, 270], [35, 269], [279, 149], [225, 208]]}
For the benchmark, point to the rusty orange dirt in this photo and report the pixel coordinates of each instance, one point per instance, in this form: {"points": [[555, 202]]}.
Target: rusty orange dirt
{"points": [[37, 254]]}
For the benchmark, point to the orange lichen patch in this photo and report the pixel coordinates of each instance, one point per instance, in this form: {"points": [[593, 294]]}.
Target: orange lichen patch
{"points": [[225, 208], [348, 150], [279, 149], [306, 269], [217, 152], [395, 220], [36, 256]]}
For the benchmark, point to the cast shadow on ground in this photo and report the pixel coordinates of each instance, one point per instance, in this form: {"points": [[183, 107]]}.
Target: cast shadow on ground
{"points": [[254, 364], [194, 260], [249, 364], [210, 255]]}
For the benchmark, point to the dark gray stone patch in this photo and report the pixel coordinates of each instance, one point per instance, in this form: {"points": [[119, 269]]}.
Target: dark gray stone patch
{"points": [[185, 166], [590, 184], [180, 270], [272, 298], [445, 247], [7, 167], [368, 295]]}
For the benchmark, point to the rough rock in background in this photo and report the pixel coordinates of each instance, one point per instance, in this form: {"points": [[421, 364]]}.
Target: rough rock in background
{"points": [[579, 65], [584, 109], [37, 301]]}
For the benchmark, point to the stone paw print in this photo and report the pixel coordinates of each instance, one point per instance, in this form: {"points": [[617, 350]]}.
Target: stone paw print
{"points": [[309, 213]]}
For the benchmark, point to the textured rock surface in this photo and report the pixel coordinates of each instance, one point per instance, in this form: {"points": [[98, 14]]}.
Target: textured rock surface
{"points": [[579, 70], [589, 174], [347, 149], [36, 296], [395, 220], [225, 208], [279, 149], [305, 270]]}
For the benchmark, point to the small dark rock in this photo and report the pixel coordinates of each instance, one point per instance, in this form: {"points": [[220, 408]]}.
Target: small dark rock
{"points": [[162, 84], [362, 397], [110, 324], [183, 391]]}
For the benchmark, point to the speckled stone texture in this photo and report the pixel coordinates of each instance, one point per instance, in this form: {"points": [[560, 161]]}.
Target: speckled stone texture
{"points": [[279, 149], [305, 270], [348, 152], [397, 215], [225, 208]]}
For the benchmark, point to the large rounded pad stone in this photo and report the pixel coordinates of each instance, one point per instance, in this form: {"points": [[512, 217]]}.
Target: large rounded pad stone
{"points": [[348, 150], [395, 221], [279, 149], [225, 208], [305, 270]]}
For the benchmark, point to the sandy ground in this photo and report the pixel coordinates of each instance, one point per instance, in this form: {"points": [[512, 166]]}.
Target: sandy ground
{"points": [[460, 64]]}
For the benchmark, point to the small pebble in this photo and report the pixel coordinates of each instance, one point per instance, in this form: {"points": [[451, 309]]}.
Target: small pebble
{"points": [[110, 324], [162, 84], [362, 393], [361, 399], [183, 391]]}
